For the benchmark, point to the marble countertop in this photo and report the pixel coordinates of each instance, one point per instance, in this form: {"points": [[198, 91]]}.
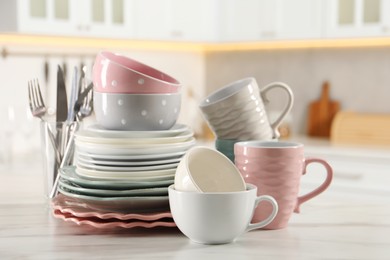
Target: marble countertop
{"points": [[338, 224]]}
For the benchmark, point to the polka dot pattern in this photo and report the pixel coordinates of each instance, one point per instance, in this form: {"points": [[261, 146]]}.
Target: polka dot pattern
{"points": [[141, 81]]}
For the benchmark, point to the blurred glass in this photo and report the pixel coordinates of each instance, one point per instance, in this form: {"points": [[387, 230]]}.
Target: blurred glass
{"points": [[38, 8], [371, 10], [97, 11], [117, 11], [346, 11], [61, 9], [17, 134]]}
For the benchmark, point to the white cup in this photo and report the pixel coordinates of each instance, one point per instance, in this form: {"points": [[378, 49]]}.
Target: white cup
{"points": [[237, 111], [203, 169], [217, 218]]}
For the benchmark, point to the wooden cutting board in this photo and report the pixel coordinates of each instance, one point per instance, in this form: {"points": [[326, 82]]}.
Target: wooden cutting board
{"points": [[321, 113], [361, 129]]}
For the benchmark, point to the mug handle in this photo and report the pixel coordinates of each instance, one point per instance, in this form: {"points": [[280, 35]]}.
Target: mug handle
{"points": [[321, 188], [287, 108], [269, 218]]}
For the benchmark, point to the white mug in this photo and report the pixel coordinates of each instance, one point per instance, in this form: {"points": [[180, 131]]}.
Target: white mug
{"points": [[217, 217], [237, 111]]}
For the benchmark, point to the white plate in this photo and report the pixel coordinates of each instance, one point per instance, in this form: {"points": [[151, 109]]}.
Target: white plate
{"points": [[132, 146], [95, 167], [138, 149], [69, 173], [162, 191], [86, 136], [174, 131], [131, 157], [121, 204], [157, 175], [103, 162]]}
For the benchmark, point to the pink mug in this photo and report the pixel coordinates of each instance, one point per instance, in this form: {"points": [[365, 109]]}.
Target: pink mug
{"points": [[276, 169]]}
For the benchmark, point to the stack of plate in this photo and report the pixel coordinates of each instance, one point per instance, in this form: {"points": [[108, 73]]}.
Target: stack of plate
{"points": [[124, 171]]}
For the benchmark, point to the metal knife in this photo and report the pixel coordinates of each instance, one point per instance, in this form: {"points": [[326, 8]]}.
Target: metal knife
{"points": [[61, 116], [62, 100]]}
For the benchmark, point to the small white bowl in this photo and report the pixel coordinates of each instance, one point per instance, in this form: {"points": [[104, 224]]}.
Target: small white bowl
{"points": [[203, 169], [137, 112]]}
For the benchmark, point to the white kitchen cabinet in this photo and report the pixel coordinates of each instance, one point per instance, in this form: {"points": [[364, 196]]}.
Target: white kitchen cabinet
{"points": [[249, 20], [176, 20], [103, 18], [357, 18], [99, 18], [35, 16], [300, 19], [152, 19], [254, 20], [195, 20]]}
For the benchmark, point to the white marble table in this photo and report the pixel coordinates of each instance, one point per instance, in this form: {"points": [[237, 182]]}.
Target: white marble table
{"points": [[339, 224]]}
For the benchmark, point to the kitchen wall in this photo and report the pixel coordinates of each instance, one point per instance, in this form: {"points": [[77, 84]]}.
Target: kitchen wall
{"points": [[359, 77]]}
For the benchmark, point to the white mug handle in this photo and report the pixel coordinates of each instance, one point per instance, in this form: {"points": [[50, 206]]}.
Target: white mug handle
{"points": [[287, 108], [269, 218]]}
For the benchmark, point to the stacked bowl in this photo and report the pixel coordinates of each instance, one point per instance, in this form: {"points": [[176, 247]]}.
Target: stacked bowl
{"points": [[129, 95], [125, 162]]}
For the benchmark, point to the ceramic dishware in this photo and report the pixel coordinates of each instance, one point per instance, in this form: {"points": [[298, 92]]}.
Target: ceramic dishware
{"points": [[134, 149], [276, 169], [68, 173], [175, 130], [237, 111], [159, 191], [91, 137], [226, 146], [114, 73], [72, 210], [203, 169], [120, 204], [137, 112], [217, 217]]}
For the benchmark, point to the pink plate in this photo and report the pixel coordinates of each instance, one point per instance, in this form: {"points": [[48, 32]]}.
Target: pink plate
{"points": [[113, 223], [69, 206], [71, 210]]}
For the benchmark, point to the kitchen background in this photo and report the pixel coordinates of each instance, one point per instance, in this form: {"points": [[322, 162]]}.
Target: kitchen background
{"points": [[205, 44]]}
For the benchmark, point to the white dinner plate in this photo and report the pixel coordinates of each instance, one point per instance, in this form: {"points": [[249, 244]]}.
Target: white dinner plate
{"points": [[121, 204], [131, 157], [161, 191], [69, 173], [134, 146], [81, 164], [138, 149], [157, 175], [174, 131], [86, 136], [125, 163]]}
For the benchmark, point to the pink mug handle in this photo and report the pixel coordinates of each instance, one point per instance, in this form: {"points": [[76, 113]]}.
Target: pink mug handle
{"points": [[321, 188]]}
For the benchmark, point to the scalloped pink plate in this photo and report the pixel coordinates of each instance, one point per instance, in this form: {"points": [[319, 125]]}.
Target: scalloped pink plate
{"points": [[67, 205], [71, 210], [114, 223]]}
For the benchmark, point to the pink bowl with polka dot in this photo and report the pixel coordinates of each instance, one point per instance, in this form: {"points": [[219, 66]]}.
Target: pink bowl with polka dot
{"points": [[113, 73]]}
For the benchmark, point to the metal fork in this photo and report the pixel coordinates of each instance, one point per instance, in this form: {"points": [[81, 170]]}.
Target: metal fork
{"points": [[38, 109], [37, 106], [86, 107]]}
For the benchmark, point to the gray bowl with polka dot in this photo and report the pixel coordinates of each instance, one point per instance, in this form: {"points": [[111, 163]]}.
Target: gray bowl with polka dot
{"points": [[137, 112]]}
